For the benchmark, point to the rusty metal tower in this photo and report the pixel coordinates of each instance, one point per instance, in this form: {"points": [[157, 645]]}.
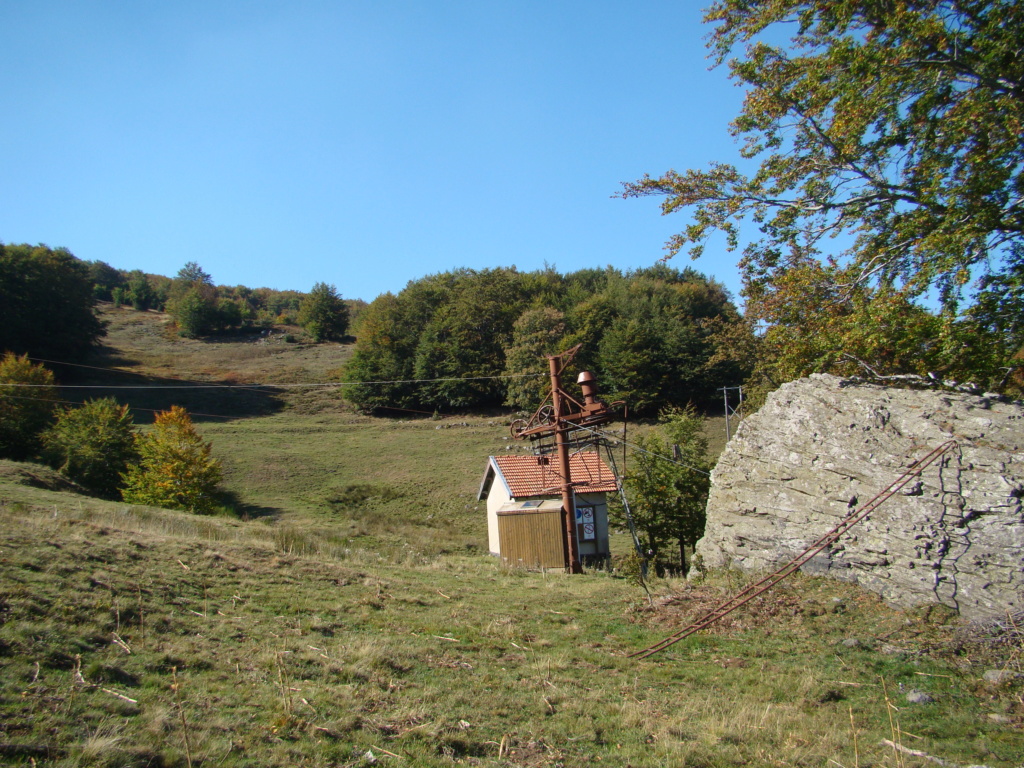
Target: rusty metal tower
{"points": [[558, 416]]}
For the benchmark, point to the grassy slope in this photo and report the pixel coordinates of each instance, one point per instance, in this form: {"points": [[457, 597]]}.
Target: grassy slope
{"points": [[350, 615]]}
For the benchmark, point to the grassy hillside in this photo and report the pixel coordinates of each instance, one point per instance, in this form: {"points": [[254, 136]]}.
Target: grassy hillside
{"points": [[349, 618]]}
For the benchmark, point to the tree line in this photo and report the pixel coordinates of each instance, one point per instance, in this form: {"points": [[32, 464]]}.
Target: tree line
{"points": [[200, 308], [50, 297], [478, 338]]}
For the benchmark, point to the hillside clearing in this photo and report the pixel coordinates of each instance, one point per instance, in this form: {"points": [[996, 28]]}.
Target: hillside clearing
{"points": [[349, 617]]}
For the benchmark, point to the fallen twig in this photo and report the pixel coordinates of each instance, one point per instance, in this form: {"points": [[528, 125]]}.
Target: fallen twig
{"points": [[381, 749], [917, 753], [119, 695]]}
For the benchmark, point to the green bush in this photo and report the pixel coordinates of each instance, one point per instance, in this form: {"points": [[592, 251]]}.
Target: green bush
{"points": [[93, 445], [667, 486]]}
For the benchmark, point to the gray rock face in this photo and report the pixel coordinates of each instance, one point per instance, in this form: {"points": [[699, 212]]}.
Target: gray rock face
{"points": [[820, 447]]}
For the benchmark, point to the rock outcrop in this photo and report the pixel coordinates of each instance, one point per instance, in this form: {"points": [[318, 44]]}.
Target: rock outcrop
{"points": [[821, 447]]}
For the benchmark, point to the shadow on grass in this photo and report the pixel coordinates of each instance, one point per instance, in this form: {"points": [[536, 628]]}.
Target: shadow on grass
{"points": [[289, 334], [148, 394], [229, 500]]}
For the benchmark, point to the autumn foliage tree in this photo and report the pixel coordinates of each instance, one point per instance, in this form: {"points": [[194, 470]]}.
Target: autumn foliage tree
{"points": [[176, 469], [28, 395], [886, 153]]}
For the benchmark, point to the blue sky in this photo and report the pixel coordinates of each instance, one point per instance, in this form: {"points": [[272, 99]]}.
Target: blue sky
{"points": [[364, 144]]}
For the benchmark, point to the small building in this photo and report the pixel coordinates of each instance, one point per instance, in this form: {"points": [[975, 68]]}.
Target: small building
{"points": [[524, 508]]}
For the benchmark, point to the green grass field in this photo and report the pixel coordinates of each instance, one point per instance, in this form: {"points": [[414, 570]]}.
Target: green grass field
{"points": [[350, 616]]}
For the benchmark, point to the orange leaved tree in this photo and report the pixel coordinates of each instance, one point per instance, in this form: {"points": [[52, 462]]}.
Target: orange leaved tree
{"points": [[176, 470]]}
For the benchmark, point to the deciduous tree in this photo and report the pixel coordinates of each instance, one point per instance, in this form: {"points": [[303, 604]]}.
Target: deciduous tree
{"points": [[193, 301], [537, 332], [104, 279], [177, 469], [895, 127], [28, 395], [323, 313], [140, 291], [93, 445], [47, 308], [194, 311]]}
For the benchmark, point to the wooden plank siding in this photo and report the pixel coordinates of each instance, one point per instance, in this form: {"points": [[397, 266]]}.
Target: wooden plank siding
{"points": [[531, 538]]}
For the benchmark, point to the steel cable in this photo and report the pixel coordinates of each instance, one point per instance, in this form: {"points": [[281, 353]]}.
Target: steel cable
{"points": [[759, 587]]}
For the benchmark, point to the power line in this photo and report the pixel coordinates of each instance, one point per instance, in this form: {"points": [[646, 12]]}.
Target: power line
{"points": [[80, 365], [254, 385], [327, 384], [636, 447], [130, 407]]}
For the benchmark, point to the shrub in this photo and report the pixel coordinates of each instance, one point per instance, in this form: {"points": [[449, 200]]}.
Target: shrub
{"points": [[93, 445], [176, 469], [28, 394]]}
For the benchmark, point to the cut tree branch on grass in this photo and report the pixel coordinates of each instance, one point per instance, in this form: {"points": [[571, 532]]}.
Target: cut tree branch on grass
{"points": [[77, 673]]}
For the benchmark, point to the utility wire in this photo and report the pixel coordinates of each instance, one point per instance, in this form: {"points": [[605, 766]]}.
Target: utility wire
{"points": [[80, 365], [636, 447], [270, 386], [130, 407]]}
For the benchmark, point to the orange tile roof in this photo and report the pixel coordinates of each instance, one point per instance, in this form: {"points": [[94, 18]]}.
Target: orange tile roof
{"points": [[538, 475]]}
